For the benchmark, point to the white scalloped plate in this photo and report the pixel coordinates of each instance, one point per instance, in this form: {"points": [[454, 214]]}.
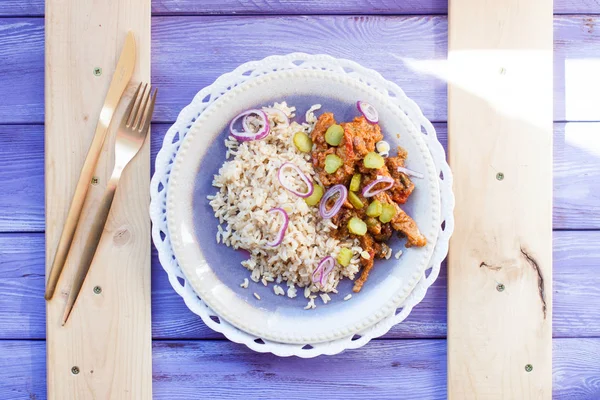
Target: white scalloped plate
{"points": [[181, 129], [209, 266]]}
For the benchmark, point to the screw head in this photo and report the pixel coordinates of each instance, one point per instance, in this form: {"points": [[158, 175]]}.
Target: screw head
{"points": [[75, 370], [97, 71], [529, 368], [500, 176], [95, 180], [500, 287], [97, 289]]}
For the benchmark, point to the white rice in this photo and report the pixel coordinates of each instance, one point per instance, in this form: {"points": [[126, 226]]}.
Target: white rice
{"points": [[258, 297], [348, 297], [398, 254], [278, 290], [248, 187], [245, 283], [311, 304]]}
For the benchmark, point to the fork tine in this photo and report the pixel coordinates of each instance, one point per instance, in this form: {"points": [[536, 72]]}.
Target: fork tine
{"points": [[133, 114], [148, 113], [140, 112], [130, 106]]}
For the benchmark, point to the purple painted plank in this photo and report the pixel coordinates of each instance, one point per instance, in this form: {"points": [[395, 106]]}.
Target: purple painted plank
{"points": [[189, 53], [187, 7], [576, 63], [372, 41], [22, 70], [577, 160], [21, 178], [407, 369], [576, 175], [576, 294], [421, 41]]}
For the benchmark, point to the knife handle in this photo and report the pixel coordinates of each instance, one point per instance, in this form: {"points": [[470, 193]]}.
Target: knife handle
{"points": [[91, 243], [81, 190]]}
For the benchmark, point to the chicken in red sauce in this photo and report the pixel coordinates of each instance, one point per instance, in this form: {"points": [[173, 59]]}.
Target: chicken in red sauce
{"points": [[354, 155]]}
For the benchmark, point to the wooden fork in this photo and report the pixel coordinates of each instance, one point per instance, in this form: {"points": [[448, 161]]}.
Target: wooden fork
{"points": [[130, 137]]}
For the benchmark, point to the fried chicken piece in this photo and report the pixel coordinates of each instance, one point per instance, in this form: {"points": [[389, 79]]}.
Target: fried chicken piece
{"points": [[373, 248], [405, 224], [317, 136], [364, 135], [403, 186], [402, 222], [345, 151]]}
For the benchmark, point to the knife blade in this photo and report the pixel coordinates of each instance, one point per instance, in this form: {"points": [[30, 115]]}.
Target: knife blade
{"points": [[119, 82]]}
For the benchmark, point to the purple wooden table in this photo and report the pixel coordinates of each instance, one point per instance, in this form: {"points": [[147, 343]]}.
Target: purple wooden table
{"points": [[193, 42]]}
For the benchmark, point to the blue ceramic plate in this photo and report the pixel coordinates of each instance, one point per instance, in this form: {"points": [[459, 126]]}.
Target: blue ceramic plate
{"points": [[214, 270]]}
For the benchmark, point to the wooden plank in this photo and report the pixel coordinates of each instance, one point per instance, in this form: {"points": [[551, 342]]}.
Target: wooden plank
{"points": [[358, 38], [22, 70], [576, 291], [22, 178], [500, 122], [108, 335], [384, 369], [181, 72], [576, 175], [304, 7]]}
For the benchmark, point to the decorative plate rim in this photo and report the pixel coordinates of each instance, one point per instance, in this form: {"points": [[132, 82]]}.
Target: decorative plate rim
{"points": [[191, 113]]}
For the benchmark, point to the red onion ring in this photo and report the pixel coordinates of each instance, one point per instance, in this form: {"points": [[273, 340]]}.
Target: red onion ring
{"points": [[279, 113], [337, 189], [286, 220], [410, 172], [368, 190], [304, 178], [248, 134], [323, 270], [368, 111]]}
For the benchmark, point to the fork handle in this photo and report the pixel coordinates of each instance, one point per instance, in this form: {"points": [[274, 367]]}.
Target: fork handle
{"points": [[92, 241]]}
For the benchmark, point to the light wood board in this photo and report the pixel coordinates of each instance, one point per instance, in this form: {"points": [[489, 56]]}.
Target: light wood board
{"points": [[108, 335], [500, 150]]}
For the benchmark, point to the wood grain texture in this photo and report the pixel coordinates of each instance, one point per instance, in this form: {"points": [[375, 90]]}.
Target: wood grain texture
{"points": [[406, 369], [205, 7], [576, 175], [500, 122], [21, 178], [372, 41], [108, 335], [576, 294], [181, 70]]}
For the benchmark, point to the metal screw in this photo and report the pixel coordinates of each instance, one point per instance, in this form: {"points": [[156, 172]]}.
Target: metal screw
{"points": [[499, 176], [97, 71], [500, 287], [95, 180], [529, 368], [75, 370], [97, 289]]}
